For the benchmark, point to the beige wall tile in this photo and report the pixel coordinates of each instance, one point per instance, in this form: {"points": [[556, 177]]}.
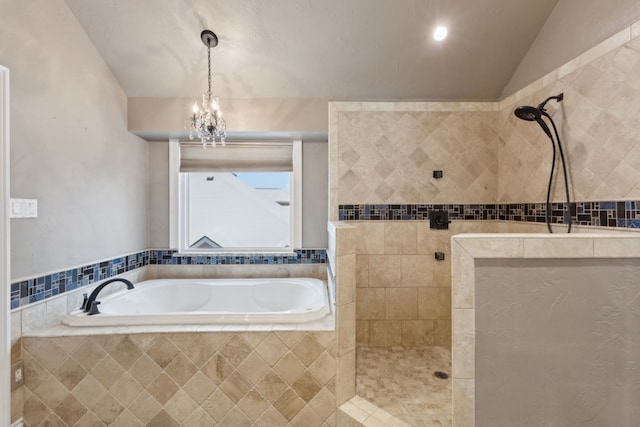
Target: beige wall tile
{"points": [[308, 349], [442, 332], [362, 333], [385, 270], [463, 345], [400, 237], [464, 403], [345, 279], [416, 333], [324, 404], [51, 392], [370, 303], [370, 238], [17, 404], [346, 377], [183, 392], [401, 303], [430, 241], [493, 247], [462, 278], [346, 237], [362, 271], [346, 318], [417, 270], [16, 351], [400, 171], [442, 272], [385, 333], [558, 248], [616, 247], [324, 368], [434, 303]]}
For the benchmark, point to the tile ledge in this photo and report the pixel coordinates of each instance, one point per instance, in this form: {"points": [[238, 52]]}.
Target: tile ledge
{"points": [[596, 236], [357, 406], [69, 331]]}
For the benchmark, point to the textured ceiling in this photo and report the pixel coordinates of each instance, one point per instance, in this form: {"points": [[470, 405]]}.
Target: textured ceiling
{"points": [[335, 49]]}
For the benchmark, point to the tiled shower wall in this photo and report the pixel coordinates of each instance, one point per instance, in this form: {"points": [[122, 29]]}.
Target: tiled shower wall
{"points": [[599, 124], [388, 157], [385, 154], [382, 156], [403, 293]]}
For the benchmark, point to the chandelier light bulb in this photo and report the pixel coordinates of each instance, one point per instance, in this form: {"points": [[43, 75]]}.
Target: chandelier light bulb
{"points": [[195, 108], [440, 33]]}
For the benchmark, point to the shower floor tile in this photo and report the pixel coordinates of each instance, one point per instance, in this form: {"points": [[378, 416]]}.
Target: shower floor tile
{"points": [[401, 381]]}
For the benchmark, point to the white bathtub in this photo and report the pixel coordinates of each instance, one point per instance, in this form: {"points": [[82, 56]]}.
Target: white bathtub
{"points": [[211, 301]]}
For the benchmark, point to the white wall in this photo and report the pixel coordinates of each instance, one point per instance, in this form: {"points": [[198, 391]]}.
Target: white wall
{"points": [[573, 27], [158, 215], [151, 115], [70, 147], [315, 194]]}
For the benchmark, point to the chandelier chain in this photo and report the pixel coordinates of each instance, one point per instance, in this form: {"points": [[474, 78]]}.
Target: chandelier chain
{"points": [[209, 64]]}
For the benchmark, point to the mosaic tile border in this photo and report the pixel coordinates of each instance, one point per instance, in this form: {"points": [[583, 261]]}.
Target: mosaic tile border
{"points": [[36, 289], [619, 214], [302, 256], [40, 288]]}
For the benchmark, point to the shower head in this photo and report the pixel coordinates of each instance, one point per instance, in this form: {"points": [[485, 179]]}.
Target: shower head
{"points": [[528, 113], [533, 114]]}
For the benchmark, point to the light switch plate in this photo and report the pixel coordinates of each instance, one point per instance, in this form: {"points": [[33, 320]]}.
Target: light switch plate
{"points": [[23, 208]]}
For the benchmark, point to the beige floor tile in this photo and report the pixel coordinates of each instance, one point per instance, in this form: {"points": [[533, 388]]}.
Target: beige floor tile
{"points": [[401, 382]]}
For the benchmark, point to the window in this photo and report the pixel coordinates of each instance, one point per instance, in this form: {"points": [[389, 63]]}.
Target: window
{"points": [[244, 197]]}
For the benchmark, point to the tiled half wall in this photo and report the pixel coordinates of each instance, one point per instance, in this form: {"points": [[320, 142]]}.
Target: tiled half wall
{"points": [[39, 288], [188, 379]]}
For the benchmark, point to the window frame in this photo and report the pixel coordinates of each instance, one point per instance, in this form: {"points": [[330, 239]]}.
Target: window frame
{"points": [[178, 215]]}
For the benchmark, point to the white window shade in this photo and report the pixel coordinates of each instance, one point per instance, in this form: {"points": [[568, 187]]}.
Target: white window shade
{"points": [[237, 157]]}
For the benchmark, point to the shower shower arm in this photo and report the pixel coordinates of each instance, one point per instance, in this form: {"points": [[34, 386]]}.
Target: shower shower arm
{"points": [[558, 98]]}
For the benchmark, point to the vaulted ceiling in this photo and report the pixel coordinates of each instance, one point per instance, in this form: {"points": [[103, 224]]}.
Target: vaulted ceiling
{"points": [[333, 49]]}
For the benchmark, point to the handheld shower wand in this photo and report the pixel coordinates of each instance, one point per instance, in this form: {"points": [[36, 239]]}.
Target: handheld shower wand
{"points": [[531, 114]]}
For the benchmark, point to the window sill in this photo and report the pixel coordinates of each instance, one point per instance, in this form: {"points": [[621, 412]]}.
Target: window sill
{"points": [[235, 253]]}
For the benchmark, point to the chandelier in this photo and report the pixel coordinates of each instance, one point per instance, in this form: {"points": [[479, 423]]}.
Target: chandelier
{"points": [[206, 121]]}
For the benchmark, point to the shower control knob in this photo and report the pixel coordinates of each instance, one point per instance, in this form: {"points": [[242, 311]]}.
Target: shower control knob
{"points": [[439, 220]]}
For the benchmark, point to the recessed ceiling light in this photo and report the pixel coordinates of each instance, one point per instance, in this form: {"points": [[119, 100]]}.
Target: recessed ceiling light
{"points": [[440, 33]]}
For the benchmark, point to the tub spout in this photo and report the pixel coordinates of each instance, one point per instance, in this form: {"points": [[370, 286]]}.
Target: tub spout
{"points": [[92, 305]]}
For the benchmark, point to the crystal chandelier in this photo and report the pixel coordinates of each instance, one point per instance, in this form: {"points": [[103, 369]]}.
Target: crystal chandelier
{"points": [[206, 121]]}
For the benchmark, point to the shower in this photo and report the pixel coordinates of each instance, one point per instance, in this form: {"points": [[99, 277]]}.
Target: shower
{"points": [[535, 114]]}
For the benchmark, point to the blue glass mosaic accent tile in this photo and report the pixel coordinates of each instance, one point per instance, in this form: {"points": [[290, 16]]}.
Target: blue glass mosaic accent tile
{"points": [[302, 256], [43, 287], [599, 214]]}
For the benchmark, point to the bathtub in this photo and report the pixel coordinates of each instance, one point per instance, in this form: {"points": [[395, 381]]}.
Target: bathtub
{"points": [[211, 301]]}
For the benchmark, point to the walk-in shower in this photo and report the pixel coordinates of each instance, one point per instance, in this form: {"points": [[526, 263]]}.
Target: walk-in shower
{"points": [[535, 114]]}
